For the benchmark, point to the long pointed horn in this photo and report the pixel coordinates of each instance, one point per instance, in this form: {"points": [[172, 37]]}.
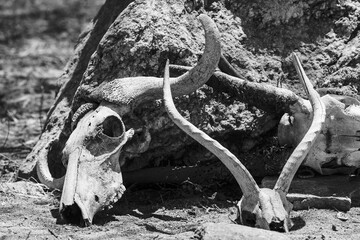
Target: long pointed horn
{"points": [[300, 152], [130, 92], [238, 170]]}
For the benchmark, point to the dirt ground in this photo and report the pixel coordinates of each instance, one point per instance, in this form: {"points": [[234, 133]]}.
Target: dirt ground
{"points": [[34, 47], [153, 212]]}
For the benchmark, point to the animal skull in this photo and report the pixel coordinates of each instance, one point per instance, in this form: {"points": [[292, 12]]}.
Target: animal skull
{"points": [[263, 208], [93, 177], [337, 147], [336, 150]]}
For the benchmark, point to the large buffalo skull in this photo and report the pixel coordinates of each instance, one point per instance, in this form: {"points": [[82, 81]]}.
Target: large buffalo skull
{"points": [[93, 177], [260, 207], [337, 150]]}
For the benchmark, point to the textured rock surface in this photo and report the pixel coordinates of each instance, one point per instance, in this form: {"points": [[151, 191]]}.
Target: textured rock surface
{"points": [[257, 38]]}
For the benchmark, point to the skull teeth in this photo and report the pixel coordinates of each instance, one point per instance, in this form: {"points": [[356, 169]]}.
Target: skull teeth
{"points": [[119, 194], [121, 191]]}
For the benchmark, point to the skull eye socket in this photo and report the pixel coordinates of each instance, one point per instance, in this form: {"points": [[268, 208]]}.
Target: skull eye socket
{"points": [[107, 136], [248, 218], [113, 127]]}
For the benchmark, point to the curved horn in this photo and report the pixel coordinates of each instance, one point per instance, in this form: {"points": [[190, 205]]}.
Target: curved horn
{"points": [[130, 92], [42, 166], [80, 112], [43, 172], [306, 143], [237, 169]]}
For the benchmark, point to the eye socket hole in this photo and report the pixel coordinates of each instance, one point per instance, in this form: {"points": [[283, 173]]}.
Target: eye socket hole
{"points": [[113, 127], [249, 219], [96, 198]]}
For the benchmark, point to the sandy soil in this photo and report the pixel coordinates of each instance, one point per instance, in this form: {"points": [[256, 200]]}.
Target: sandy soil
{"points": [[153, 212]]}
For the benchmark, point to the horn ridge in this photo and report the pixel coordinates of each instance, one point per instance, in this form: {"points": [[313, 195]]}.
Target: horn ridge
{"points": [[80, 112]]}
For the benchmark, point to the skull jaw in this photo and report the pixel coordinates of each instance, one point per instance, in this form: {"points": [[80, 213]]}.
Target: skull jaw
{"points": [[94, 183], [93, 177], [268, 210], [82, 212], [97, 186], [76, 213]]}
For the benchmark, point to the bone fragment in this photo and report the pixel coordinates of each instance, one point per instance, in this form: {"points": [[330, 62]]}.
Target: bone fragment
{"points": [[307, 201], [225, 231], [323, 187]]}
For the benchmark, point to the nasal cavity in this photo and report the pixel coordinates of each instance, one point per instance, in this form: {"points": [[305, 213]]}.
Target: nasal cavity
{"points": [[72, 214], [248, 218], [277, 225]]}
